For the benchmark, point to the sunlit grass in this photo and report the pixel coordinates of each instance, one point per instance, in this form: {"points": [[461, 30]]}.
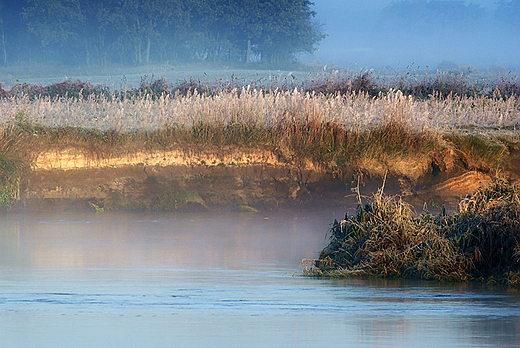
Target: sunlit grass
{"points": [[354, 128], [387, 238]]}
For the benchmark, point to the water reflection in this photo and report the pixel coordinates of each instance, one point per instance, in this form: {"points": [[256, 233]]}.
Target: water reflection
{"points": [[208, 280], [161, 241]]}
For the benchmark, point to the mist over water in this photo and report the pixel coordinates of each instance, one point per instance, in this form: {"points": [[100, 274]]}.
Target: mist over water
{"points": [[219, 280]]}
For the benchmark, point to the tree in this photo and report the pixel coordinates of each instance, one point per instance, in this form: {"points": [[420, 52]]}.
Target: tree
{"points": [[138, 24], [139, 31], [275, 30], [15, 41], [2, 35], [59, 24], [286, 30]]}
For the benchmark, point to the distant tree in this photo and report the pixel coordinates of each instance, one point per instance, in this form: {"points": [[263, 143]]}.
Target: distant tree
{"points": [[16, 43], [138, 24], [59, 24], [138, 31], [210, 28], [2, 35], [286, 30], [274, 30]]}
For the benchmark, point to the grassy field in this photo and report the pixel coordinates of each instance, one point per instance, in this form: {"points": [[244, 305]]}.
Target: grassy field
{"points": [[342, 124]]}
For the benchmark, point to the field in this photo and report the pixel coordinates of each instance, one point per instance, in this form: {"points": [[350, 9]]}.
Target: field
{"points": [[344, 125]]}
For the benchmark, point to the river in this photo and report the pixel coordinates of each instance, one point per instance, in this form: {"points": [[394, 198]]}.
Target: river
{"points": [[219, 280]]}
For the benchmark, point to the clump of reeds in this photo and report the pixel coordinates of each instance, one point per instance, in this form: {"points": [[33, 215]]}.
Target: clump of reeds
{"points": [[386, 238], [13, 166], [487, 230]]}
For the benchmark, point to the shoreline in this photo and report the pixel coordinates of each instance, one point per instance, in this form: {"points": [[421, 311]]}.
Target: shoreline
{"points": [[162, 147], [234, 179]]}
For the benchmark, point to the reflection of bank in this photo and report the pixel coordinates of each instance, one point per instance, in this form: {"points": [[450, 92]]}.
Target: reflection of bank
{"points": [[76, 242]]}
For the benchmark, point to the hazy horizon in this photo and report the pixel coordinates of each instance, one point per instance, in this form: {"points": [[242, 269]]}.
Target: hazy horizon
{"points": [[356, 37]]}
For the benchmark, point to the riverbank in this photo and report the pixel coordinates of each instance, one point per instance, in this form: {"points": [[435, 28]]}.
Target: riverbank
{"points": [[77, 176], [193, 147]]}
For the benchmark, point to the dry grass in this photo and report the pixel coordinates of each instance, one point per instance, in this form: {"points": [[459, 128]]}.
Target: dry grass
{"points": [[337, 130], [386, 238]]}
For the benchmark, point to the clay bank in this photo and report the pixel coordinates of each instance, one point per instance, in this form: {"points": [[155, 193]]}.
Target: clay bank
{"points": [[239, 178], [249, 149]]}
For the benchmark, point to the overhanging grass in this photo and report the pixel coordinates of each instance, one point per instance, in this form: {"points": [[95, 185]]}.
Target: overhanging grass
{"points": [[385, 238], [327, 145], [13, 166]]}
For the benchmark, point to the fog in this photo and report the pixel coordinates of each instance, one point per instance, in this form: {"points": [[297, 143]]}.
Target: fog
{"points": [[379, 33], [49, 40]]}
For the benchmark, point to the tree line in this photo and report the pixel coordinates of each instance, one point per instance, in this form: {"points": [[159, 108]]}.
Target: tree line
{"points": [[273, 32], [99, 32]]}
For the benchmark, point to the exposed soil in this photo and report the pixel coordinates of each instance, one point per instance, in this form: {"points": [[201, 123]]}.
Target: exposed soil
{"points": [[234, 179]]}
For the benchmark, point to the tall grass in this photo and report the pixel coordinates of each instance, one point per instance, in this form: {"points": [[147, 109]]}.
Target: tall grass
{"points": [[354, 125], [145, 109], [325, 126], [386, 238]]}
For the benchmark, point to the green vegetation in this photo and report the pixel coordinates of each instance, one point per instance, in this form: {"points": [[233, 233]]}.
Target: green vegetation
{"points": [[12, 166], [385, 238], [136, 32]]}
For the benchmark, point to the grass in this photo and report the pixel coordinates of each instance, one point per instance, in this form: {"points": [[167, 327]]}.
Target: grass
{"points": [[13, 166], [386, 238], [341, 124]]}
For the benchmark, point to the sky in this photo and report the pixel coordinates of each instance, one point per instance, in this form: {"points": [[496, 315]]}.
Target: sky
{"points": [[356, 39]]}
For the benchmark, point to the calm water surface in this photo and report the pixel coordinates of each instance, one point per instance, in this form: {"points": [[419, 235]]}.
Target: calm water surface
{"points": [[219, 280]]}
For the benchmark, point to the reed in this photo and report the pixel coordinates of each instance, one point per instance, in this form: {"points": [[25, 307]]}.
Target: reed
{"points": [[387, 238], [343, 130]]}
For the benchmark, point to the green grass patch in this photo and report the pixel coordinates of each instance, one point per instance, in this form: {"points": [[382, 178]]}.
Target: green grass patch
{"points": [[13, 166]]}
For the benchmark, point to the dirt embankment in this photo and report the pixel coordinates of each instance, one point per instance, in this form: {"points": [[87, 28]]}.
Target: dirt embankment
{"points": [[238, 179]]}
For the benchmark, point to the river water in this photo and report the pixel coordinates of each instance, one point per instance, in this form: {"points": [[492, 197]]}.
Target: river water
{"points": [[219, 280]]}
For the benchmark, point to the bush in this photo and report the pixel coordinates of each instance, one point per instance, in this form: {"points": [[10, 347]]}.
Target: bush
{"points": [[385, 238]]}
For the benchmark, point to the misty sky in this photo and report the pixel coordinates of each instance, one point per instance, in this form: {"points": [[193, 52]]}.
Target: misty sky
{"points": [[356, 39]]}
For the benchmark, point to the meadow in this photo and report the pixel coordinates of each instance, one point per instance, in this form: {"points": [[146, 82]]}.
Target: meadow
{"points": [[340, 123]]}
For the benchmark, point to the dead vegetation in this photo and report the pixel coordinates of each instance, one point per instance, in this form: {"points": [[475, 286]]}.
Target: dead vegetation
{"points": [[386, 238], [342, 130]]}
